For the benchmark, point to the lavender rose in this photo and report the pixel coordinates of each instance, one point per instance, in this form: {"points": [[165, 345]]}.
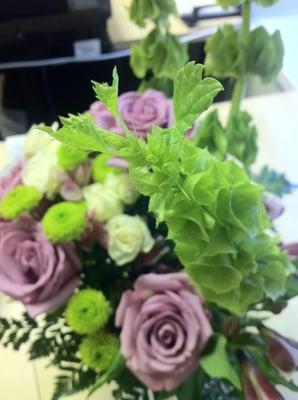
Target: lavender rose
{"points": [[164, 329], [140, 112], [103, 117], [34, 271]]}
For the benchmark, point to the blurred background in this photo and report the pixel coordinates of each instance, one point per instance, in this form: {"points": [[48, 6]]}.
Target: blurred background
{"points": [[49, 51]]}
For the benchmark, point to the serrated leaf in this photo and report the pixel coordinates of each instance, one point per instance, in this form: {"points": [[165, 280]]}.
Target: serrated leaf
{"points": [[193, 94], [217, 364], [223, 53], [80, 131], [266, 54], [108, 94]]}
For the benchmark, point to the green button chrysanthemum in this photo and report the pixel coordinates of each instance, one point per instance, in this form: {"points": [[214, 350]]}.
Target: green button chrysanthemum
{"points": [[98, 351], [64, 222], [88, 311], [100, 169], [69, 157], [18, 200]]}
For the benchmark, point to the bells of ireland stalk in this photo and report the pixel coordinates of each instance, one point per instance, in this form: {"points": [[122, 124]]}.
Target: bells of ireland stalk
{"points": [[283, 352]]}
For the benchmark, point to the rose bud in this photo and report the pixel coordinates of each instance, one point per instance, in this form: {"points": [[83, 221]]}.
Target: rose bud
{"points": [[283, 352], [255, 385]]}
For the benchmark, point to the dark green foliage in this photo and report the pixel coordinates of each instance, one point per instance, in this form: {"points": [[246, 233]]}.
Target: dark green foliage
{"points": [[74, 382], [14, 332]]}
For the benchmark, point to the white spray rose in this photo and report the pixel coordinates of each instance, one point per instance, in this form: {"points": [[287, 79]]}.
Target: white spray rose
{"points": [[42, 172], [102, 202], [127, 237], [122, 186], [37, 140]]}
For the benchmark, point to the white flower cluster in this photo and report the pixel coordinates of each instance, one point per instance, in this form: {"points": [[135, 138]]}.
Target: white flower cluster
{"points": [[41, 169], [128, 236]]}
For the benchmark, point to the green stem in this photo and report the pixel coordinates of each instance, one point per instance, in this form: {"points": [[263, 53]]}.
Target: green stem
{"points": [[240, 82]]}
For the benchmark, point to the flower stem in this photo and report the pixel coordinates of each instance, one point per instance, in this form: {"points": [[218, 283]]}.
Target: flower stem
{"points": [[240, 82]]}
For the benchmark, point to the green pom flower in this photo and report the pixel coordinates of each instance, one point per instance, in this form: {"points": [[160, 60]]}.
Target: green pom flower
{"points": [[69, 157], [100, 169], [88, 311], [65, 222], [99, 351], [20, 199]]}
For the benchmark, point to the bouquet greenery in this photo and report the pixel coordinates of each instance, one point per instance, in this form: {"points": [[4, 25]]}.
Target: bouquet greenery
{"points": [[141, 258]]}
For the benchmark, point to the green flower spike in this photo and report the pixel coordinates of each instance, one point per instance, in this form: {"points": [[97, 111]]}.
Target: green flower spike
{"points": [[100, 169], [69, 157], [88, 311], [18, 200], [64, 222], [98, 351]]}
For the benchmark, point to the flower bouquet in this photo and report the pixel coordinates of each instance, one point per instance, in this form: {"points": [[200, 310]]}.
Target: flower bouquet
{"points": [[141, 258], [142, 247]]}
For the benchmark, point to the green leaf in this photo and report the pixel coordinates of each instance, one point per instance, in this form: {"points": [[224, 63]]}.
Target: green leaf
{"points": [[217, 363], [212, 273], [242, 138], [265, 54], [138, 60], [162, 53], [169, 55], [116, 367], [273, 181], [107, 94], [223, 53], [140, 10], [193, 94], [211, 134], [229, 3], [266, 3], [80, 131], [233, 3], [192, 388], [69, 384]]}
